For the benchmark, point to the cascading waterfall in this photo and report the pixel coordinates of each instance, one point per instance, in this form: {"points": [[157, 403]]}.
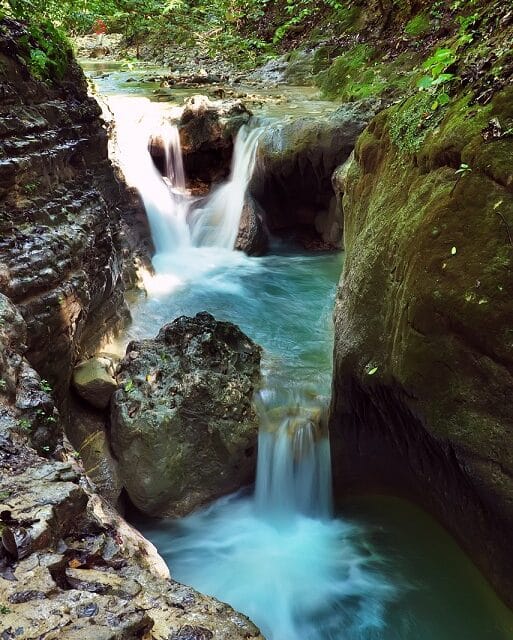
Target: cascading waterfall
{"points": [[294, 468], [278, 555], [381, 572], [177, 220], [216, 224]]}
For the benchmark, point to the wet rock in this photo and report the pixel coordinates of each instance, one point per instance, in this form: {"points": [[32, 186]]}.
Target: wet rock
{"points": [[207, 131], [253, 237], [183, 415], [94, 381], [58, 206], [70, 567], [423, 342], [294, 165]]}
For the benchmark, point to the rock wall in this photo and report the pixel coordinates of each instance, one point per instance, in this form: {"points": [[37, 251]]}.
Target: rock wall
{"points": [[70, 567], [60, 258], [294, 164], [423, 374]]}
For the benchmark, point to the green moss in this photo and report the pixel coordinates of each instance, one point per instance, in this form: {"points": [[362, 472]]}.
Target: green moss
{"points": [[344, 78], [412, 120], [418, 25], [346, 19]]}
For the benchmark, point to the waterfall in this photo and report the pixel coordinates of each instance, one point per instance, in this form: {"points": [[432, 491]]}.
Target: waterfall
{"points": [[175, 219], [294, 468], [216, 223]]}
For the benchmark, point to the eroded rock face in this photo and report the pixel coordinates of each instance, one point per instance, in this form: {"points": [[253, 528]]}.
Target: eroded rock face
{"points": [[423, 351], [295, 162], [60, 258], [183, 426]]}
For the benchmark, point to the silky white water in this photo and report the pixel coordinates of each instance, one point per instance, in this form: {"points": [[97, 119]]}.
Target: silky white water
{"points": [[384, 571]]}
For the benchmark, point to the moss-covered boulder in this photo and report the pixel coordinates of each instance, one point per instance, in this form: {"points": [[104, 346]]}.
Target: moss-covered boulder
{"points": [[423, 376], [183, 426]]}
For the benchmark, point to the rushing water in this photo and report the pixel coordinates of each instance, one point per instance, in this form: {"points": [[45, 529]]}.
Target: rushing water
{"points": [[380, 569]]}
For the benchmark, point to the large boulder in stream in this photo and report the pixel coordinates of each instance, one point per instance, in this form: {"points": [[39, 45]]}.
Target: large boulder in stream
{"points": [[295, 162], [184, 429]]}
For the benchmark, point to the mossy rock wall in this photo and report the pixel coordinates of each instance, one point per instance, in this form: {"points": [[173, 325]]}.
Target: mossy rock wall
{"points": [[423, 377]]}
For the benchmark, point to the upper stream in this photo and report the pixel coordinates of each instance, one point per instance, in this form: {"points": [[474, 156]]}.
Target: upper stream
{"points": [[379, 569]]}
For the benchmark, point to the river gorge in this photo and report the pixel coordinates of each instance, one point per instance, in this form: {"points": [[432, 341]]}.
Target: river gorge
{"points": [[274, 460]]}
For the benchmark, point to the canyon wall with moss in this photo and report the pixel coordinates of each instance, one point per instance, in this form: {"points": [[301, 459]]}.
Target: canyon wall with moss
{"points": [[423, 372]]}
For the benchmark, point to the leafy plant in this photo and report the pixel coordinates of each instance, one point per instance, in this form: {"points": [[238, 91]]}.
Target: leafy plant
{"points": [[24, 424], [437, 76], [45, 386]]}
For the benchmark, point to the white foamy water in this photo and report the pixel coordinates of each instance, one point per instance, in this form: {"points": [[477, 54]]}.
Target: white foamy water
{"points": [[178, 221], [278, 556]]}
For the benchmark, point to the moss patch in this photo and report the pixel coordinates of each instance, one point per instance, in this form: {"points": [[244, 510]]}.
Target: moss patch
{"points": [[418, 25]]}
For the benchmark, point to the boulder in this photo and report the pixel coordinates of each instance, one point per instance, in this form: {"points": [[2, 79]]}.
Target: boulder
{"points": [[295, 162], [183, 426], [252, 238], [94, 381]]}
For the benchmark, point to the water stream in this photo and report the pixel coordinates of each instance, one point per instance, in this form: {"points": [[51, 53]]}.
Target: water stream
{"points": [[377, 569]]}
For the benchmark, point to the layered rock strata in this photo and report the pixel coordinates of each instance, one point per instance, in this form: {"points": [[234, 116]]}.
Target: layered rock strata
{"points": [[60, 257]]}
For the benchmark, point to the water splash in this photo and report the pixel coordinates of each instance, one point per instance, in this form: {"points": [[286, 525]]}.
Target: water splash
{"points": [[177, 223], [278, 556], [216, 223], [294, 466]]}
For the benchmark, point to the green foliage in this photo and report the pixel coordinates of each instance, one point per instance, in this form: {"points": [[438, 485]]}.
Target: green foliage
{"points": [[356, 75], [344, 78], [418, 25], [463, 170], [45, 47], [437, 76], [46, 386], [4, 610]]}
